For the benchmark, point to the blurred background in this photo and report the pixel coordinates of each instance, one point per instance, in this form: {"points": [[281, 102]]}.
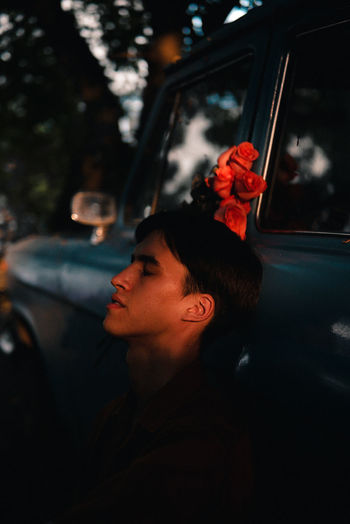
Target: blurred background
{"points": [[77, 80]]}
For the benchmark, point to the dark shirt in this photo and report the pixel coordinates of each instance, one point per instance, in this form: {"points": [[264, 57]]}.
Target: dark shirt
{"points": [[185, 458]]}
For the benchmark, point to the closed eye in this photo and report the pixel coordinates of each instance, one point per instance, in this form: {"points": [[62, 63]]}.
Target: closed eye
{"points": [[148, 261], [145, 272]]}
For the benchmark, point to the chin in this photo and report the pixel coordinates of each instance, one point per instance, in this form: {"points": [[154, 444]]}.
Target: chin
{"points": [[110, 327], [107, 324]]}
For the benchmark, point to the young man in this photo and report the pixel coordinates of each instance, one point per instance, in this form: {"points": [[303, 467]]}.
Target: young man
{"points": [[173, 449]]}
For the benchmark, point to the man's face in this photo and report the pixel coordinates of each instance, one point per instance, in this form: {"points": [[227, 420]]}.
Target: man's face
{"points": [[148, 302]]}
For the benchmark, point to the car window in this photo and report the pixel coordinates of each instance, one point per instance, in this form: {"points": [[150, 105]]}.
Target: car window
{"points": [[206, 123], [197, 122], [309, 187]]}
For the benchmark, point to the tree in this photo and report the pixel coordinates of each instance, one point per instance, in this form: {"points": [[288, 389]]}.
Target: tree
{"points": [[59, 113]]}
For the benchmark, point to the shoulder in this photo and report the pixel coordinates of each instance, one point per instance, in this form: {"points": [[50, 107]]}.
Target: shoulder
{"points": [[209, 418]]}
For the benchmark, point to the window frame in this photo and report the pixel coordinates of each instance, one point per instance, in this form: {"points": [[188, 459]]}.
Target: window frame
{"points": [[197, 67], [178, 90], [285, 41]]}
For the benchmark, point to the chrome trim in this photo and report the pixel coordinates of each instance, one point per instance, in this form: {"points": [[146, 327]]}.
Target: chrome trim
{"points": [[339, 234], [276, 103]]}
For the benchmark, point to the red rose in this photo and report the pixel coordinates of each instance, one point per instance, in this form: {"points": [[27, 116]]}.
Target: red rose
{"points": [[221, 183], [232, 199], [238, 165], [233, 175], [246, 207], [243, 157], [225, 156], [249, 185], [224, 173], [233, 214], [222, 187], [246, 150]]}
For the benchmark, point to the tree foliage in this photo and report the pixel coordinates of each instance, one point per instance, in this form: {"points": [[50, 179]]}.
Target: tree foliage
{"points": [[59, 110]]}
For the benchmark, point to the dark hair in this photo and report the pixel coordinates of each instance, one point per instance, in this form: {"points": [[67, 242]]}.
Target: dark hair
{"points": [[218, 262]]}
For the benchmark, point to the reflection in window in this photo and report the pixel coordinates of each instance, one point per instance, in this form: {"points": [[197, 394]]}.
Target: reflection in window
{"points": [[206, 124], [189, 155], [310, 188]]}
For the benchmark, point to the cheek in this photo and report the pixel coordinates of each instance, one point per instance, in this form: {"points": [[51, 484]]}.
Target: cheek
{"points": [[166, 296], [172, 302]]}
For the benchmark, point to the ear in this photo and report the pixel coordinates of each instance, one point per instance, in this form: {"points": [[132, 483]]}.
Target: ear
{"points": [[201, 309]]}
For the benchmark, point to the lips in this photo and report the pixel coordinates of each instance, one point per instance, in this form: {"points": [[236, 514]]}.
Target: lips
{"points": [[116, 303]]}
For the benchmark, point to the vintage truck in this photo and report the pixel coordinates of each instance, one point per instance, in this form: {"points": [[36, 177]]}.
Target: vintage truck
{"points": [[278, 77]]}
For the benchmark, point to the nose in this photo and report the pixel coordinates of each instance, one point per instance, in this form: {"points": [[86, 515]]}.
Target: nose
{"points": [[122, 280]]}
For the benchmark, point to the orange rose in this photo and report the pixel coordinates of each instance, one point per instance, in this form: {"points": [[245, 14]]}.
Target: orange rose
{"points": [[233, 215], [249, 185]]}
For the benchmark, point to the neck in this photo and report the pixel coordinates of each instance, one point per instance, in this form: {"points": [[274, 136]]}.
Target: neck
{"points": [[151, 367]]}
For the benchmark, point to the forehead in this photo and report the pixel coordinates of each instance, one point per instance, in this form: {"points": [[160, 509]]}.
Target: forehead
{"points": [[154, 245]]}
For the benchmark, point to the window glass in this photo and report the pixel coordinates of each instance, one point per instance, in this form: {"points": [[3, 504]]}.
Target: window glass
{"points": [[141, 194], [206, 123], [310, 187]]}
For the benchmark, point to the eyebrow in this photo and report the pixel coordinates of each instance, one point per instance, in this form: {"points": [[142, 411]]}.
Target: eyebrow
{"points": [[147, 259]]}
